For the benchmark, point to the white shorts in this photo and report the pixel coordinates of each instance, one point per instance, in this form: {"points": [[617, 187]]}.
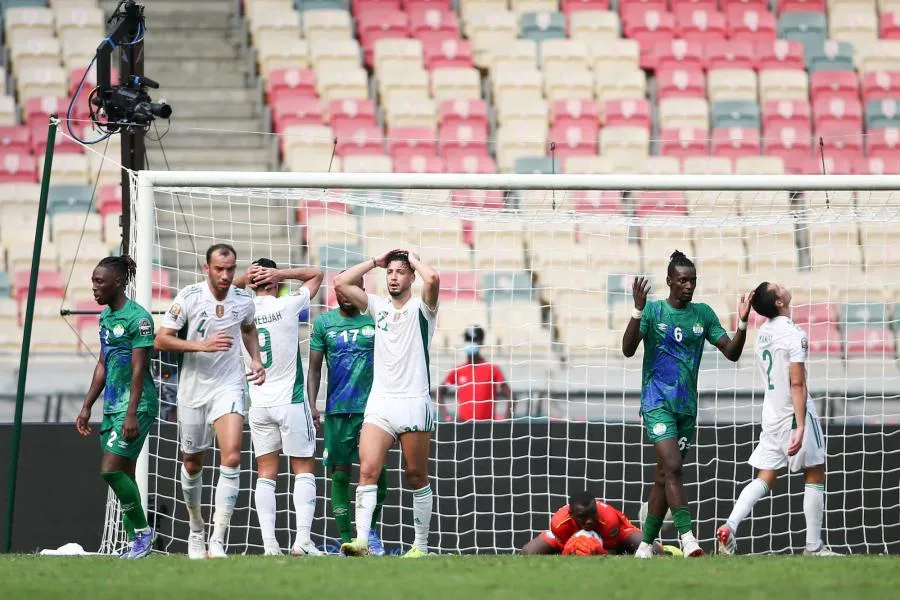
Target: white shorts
{"points": [[771, 453], [195, 424], [397, 416], [287, 426]]}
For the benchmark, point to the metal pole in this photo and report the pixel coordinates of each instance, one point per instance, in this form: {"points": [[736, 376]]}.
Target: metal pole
{"points": [[26, 334], [131, 63]]}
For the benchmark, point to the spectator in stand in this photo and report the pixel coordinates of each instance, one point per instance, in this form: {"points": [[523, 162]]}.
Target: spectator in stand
{"points": [[480, 385]]}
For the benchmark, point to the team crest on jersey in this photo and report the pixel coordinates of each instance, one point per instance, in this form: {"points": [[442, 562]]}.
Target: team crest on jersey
{"points": [[144, 327], [698, 329], [804, 343], [220, 311], [367, 331], [118, 330], [175, 310]]}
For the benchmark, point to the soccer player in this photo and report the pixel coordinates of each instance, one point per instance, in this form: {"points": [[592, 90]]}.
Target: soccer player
{"points": [[130, 403], [585, 513], [480, 384], [791, 436], [399, 406], [281, 419], [211, 385], [674, 332], [345, 338]]}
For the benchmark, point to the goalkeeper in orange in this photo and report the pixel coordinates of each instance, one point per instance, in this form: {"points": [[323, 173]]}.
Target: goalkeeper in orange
{"points": [[615, 534]]}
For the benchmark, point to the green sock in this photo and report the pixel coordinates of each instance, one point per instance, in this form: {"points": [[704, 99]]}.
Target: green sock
{"points": [[652, 525], [340, 503], [382, 494], [126, 490], [682, 518], [126, 522]]}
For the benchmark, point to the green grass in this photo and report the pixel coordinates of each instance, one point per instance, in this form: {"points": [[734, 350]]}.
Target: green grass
{"points": [[469, 577]]}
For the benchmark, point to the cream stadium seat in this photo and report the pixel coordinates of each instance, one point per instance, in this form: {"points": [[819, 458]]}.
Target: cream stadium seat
{"points": [[77, 49], [274, 53], [625, 143], [520, 7], [707, 165], [333, 230], [34, 53], [594, 25], [759, 165], [84, 17], [335, 54], [564, 54], [308, 147], [522, 83], [409, 82], [609, 244], [398, 54], [457, 316], [88, 251], [835, 246], [516, 141], [513, 56], [531, 113], [562, 84], [853, 24], [405, 111], [589, 165], [24, 22], [684, 112], [780, 84], [731, 84], [772, 248], [455, 83], [880, 55], [499, 248], [625, 84], [327, 24], [661, 165], [488, 30], [472, 10], [273, 19], [19, 254], [615, 55], [67, 168], [341, 85], [108, 168]]}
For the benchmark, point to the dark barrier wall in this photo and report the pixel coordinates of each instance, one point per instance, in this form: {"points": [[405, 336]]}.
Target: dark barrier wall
{"points": [[496, 485]]}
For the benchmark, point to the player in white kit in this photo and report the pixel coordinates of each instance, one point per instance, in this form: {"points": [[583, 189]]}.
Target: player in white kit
{"points": [[281, 420], [399, 406], [211, 384], [791, 435]]}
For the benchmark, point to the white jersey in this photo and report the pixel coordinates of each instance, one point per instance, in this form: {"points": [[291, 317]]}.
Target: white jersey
{"points": [[277, 321], [778, 344], [203, 375], [402, 341]]}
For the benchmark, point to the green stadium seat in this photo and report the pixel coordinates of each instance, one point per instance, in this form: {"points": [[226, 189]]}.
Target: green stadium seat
{"points": [[507, 286], [541, 26], [69, 198], [883, 113], [736, 113], [4, 284], [542, 165], [339, 258], [304, 5], [865, 314], [4, 4], [809, 28], [830, 56]]}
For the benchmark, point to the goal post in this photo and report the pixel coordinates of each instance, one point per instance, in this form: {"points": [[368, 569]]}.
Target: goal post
{"points": [[544, 264]]}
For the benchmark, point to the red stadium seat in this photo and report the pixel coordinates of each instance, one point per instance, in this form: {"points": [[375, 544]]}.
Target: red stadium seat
{"points": [[351, 112], [746, 24], [699, 24], [680, 83], [573, 112], [627, 112], [824, 338], [878, 85], [573, 139], [409, 141], [463, 112], [17, 166], [730, 54], [814, 314], [110, 199], [841, 140], [684, 142], [353, 141], [426, 18], [290, 82], [793, 144], [570, 6], [448, 53], [834, 84], [787, 113], [301, 110], [361, 6], [660, 204], [678, 54], [418, 163], [462, 139], [876, 166], [459, 285], [810, 6], [161, 285], [378, 23], [890, 26], [872, 342], [836, 111], [15, 138], [90, 82], [50, 284], [629, 7], [681, 5], [780, 54], [39, 109], [598, 202], [812, 165], [650, 27], [734, 142], [491, 199], [412, 6], [884, 143]]}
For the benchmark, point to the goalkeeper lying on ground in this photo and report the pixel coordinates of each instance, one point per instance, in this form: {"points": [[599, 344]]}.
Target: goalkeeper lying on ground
{"points": [[584, 513]]}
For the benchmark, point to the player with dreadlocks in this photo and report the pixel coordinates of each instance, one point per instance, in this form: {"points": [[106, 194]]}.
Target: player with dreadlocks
{"points": [[129, 396], [674, 331]]}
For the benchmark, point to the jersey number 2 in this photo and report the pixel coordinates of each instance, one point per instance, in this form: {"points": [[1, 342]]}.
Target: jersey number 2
{"points": [[265, 346], [767, 356]]}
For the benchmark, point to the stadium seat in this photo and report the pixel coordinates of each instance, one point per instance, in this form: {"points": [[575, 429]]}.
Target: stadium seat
{"points": [[17, 166], [836, 111], [398, 54], [411, 112], [514, 55], [454, 83], [792, 144], [597, 201], [501, 287], [870, 342], [736, 113], [841, 140], [881, 55], [592, 25], [408, 141], [461, 139], [327, 24], [8, 113], [781, 54], [521, 7], [778, 84], [772, 249], [468, 112], [15, 139], [334, 54], [853, 23], [829, 56], [786, 113], [562, 84], [759, 165], [541, 26], [649, 27], [881, 245], [515, 141], [834, 84], [66, 198], [876, 166], [707, 165], [572, 7], [34, 52], [290, 83], [699, 24], [890, 25], [809, 28], [296, 111], [68, 227], [619, 85], [834, 246], [730, 54], [39, 82], [734, 142], [540, 165], [684, 112], [359, 141], [343, 84], [564, 54], [660, 204], [508, 84], [877, 85], [527, 113], [731, 84], [627, 112], [786, 6], [490, 30], [883, 113], [683, 142], [448, 53], [677, 54], [754, 25], [571, 140], [24, 22], [680, 83], [883, 143], [626, 143], [418, 163], [824, 339], [574, 111]]}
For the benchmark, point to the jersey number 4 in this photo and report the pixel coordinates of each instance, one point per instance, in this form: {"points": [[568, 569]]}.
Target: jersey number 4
{"points": [[265, 346], [767, 356]]}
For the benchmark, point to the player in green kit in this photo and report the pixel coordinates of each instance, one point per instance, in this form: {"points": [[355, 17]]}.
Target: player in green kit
{"points": [[674, 332], [346, 340], [130, 402]]}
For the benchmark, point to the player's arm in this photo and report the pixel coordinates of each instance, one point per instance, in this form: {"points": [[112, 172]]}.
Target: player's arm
{"points": [[314, 375], [346, 282], [167, 340], [633, 335], [98, 381], [444, 391], [250, 337], [732, 348], [139, 358], [310, 276], [799, 393], [503, 392], [431, 280]]}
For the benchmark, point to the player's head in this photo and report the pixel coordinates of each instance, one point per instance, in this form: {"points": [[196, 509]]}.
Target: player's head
{"points": [[266, 263], [474, 338], [681, 277], [221, 261], [400, 274], [583, 509], [771, 300], [344, 302], [111, 276]]}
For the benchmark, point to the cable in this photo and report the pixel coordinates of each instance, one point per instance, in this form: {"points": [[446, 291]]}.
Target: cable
{"points": [[72, 106]]}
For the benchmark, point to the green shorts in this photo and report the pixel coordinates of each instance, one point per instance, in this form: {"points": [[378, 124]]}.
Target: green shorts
{"points": [[111, 439], [342, 438], [661, 424]]}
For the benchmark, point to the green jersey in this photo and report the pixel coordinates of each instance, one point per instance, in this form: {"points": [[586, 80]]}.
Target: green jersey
{"points": [[349, 347], [121, 331], [673, 345]]}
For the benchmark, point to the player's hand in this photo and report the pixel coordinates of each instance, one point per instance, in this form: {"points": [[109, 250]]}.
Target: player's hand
{"points": [[796, 440], [264, 276], [252, 270], [257, 374], [316, 417], [382, 261], [130, 428], [744, 306], [82, 421], [639, 290], [219, 342]]}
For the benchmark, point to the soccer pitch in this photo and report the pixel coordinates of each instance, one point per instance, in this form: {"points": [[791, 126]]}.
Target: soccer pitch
{"points": [[24, 576]]}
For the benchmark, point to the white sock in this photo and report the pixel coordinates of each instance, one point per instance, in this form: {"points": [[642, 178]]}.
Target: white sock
{"points": [[814, 510], [264, 498], [750, 495], [226, 497], [304, 505], [366, 499], [423, 500], [191, 489]]}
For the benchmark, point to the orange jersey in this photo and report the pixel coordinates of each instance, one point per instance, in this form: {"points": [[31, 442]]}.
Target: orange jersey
{"points": [[612, 526]]}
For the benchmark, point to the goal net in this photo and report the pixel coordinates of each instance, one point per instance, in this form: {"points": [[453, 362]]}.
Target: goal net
{"points": [[545, 265]]}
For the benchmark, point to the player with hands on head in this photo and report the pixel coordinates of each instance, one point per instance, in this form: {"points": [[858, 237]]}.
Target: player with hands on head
{"points": [[674, 331], [791, 435], [282, 420], [399, 406], [130, 403], [211, 383]]}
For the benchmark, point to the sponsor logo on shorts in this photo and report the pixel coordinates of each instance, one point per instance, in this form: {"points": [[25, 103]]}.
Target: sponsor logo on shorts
{"points": [[367, 331], [220, 311], [144, 327], [118, 330], [175, 310], [698, 329], [659, 429]]}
